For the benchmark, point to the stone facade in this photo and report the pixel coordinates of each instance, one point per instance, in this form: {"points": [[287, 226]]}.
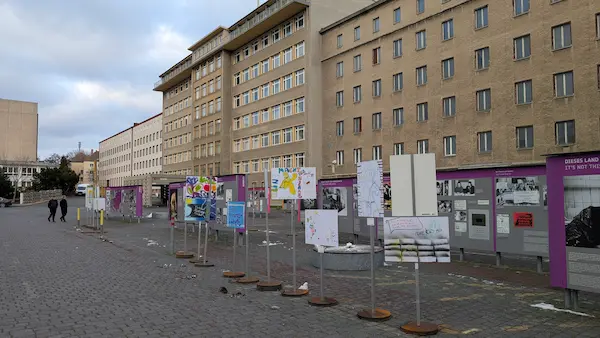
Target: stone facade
{"points": [[40, 196]]}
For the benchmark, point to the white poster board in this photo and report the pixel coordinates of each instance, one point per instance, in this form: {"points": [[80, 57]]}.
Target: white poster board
{"points": [[99, 204], [416, 239], [321, 227], [89, 197], [293, 183], [370, 188], [425, 185]]}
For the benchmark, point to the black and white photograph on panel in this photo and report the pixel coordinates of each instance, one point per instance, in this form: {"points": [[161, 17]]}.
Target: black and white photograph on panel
{"points": [[444, 187], [308, 204], [582, 211], [517, 191], [460, 216], [464, 187], [444, 207], [336, 199]]}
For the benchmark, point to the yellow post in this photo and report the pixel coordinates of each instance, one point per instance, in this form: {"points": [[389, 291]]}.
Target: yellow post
{"points": [[78, 217], [101, 217]]}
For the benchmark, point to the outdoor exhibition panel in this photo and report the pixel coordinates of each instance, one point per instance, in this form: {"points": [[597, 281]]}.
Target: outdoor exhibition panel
{"points": [[337, 195], [124, 201]]}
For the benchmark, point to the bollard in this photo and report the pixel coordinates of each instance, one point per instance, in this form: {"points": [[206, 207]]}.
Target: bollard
{"points": [[540, 265], [171, 230], [498, 259], [78, 217], [102, 222], [462, 254]]}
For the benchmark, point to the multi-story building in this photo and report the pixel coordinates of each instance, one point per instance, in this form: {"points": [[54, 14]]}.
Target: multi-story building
{"points": [[147, 147], [269, 115], [478, 82], [20, 173], [116, 159], [18, 131], [85, 166]]}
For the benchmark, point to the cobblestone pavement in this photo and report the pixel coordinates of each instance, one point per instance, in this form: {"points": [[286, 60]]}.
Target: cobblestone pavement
{"points": [[57, 281]]}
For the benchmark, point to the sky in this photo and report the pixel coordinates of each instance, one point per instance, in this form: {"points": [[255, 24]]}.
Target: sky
{"points": [[91, 65]]}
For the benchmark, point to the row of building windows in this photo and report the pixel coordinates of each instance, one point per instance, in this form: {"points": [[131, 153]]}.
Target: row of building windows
{"points": [[208, 67], [208, 129], [210, 169], [178, 106], [260, 165], [181, 122], [147, 164], [118, 159], [177, 141], [178, 89], [148, 138], [274, 87], [282, 31], [287, 135], [208, 87], [146, 151], [180, 157], [284, 57], [115, 150], [118, 170], [276, 112], [180, 172], [207, 150], [213, 106]]}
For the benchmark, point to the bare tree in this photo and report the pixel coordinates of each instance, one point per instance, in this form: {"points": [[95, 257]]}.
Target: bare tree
{"points": [[17, 172]]}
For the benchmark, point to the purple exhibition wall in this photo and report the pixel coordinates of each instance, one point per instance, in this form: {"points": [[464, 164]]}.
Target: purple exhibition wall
{"points": [[138, 197], [557, 168]]}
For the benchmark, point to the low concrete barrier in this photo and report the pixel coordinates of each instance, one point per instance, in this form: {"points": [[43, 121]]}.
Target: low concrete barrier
{"points": [[40, 196]]}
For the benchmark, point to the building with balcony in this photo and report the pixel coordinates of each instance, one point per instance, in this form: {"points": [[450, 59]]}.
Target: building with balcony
{"points": [[478, 82], [18, 131], [266, 91]]}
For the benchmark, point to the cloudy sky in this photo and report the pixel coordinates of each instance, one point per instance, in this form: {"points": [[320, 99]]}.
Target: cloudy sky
{"points": [[91, 65]]}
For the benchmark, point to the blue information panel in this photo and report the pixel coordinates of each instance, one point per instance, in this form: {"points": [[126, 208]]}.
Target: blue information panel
{"points": [[236, 215]]}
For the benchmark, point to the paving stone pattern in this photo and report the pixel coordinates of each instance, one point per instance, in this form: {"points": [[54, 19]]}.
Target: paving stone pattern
{"points": [[59, 282]]}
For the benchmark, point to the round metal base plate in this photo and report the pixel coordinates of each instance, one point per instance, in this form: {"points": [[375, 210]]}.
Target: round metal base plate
{"points": [[294, 293], [268, 286], [247, 280], [323, 302], [379, 315], [233, 274], [204, 265], [424, 329], [196, 260], [184, 255]]}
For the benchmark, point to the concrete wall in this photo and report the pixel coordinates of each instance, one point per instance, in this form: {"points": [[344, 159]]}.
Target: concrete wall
{"points": [[40, 196]]}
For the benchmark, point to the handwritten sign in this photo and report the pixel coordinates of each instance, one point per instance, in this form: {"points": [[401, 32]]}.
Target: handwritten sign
{"points": [[294, 183], [416, 239], [236, 215]]}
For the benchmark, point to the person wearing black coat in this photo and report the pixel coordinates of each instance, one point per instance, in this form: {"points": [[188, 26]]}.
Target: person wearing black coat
{"points": [[63, 208], [52, 205]]}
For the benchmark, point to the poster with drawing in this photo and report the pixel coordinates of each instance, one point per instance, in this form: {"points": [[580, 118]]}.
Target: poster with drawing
{"points": [[416, 239], [293, 183], [517, 191], [370, 188], [464, 187], [321, 227], [336, 198], [199, 191], [444, 187]]}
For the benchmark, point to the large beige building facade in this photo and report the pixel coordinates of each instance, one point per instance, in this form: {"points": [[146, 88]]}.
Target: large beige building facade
{"points": [[242, 100], [147, 146], [85, 166], [115, 159], [478, 82], [18, 131]]}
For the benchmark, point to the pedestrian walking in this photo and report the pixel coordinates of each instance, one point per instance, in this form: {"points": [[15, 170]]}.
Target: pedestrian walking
{"points": [[63, 208], [52, 205]]}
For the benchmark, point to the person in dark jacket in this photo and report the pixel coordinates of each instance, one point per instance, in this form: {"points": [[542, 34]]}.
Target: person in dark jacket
{"points": [[63, 208], [52, 205]]}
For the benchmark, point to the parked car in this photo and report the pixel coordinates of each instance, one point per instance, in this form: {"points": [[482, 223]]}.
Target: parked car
{"points": [[4, 202], [80, 190]]}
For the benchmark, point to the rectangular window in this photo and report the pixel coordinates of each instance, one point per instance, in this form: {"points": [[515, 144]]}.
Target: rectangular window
{"points": [[356, 33], [246, 74], [398, 116], [265, 91], [397, 15], [255, 70], [561, 36], [521, 6], [264, 140], [300, 22], [237, 79], [300, 77], [287, 55], [339, 99], [357, 124], [376, 56], [398, 148], [299, 133], [376, 121], [245, 97], [204, 89], [276, 110], [287, 135], [598, 26], [447, 30], [211, 107], [204, 111], [524, 92], [449, 106], [377, 88], [287, 109], [357, 94], [484, 141], [484, 100], [276, 86], [300, 105], [276, 162], [563, 84], [276, 60], [339, 128], [218, 82], [422, 112], [421, 76], [357, 63], [481, 17], [421, 39], [287, 82], [376, 153], [422, 146], [357, 155], [448, 68], [265, 115], [300, 49], [420, 6], [265, 164], [265, 66], [398, 48], [340, 41], [398, 82], [375, 25], [339, 157], [565, 133], [287, 29], [339, 69], [255, 119], [255, 95], [522, 47], [524, 137], [276, 137], [450, 146], [246, 121], [482, 58]]}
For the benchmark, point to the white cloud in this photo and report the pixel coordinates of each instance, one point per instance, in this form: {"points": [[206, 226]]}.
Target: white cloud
{"points": [[166, 44]]}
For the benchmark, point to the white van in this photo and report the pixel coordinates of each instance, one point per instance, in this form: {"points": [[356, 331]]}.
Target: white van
{"points": [[80, 190]]}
